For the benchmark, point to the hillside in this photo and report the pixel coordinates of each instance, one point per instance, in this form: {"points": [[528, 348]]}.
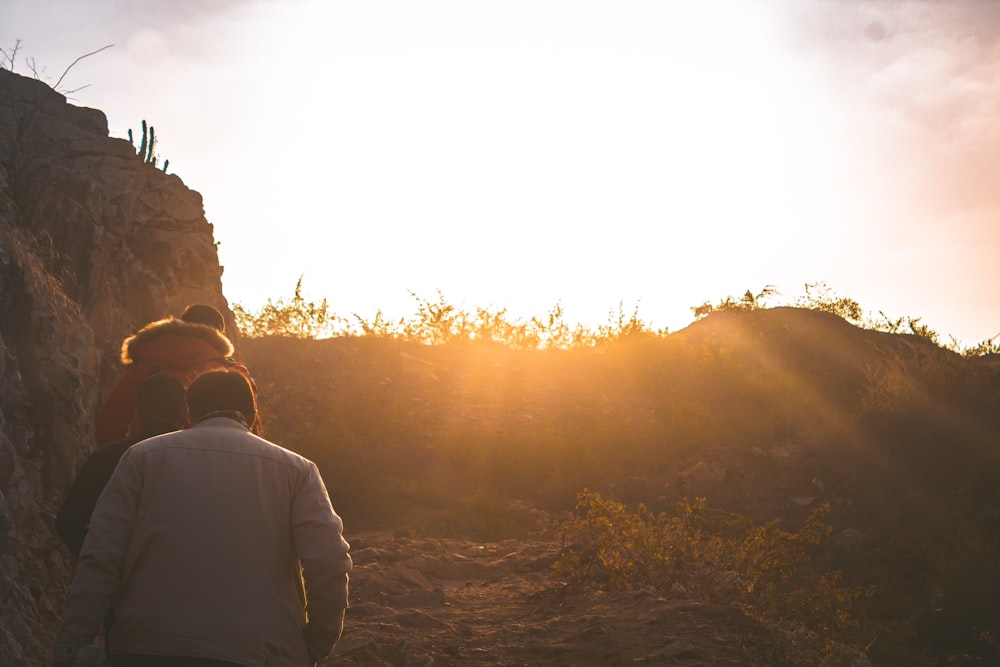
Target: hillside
{"points": [[767, 413]]}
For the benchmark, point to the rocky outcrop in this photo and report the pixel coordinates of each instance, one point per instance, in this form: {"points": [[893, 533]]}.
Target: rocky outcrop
{"points": [[93, 244]]}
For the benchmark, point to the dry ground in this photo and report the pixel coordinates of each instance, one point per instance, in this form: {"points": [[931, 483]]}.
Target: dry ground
{"points": [[423, 602]]}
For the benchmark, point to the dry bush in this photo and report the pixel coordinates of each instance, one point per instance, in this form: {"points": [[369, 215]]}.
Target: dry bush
{"points": [[711, 555], [437, 322]]}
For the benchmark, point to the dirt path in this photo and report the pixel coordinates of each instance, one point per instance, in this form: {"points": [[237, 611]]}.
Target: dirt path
{"points": [[417, 603]]}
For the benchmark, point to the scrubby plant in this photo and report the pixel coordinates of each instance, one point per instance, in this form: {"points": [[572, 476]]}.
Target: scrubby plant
{"points": [[820, 297], [295, 317], [709, 554], [8, 58], [440, 321], [988, 346], [436, 322], [749, 301]]}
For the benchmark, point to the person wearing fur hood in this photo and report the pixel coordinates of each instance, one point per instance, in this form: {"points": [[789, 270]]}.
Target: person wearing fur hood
{"points": [[185, 347]]}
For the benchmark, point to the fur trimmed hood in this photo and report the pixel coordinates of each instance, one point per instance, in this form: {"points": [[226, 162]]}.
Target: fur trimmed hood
{"points": [[173, 327]]}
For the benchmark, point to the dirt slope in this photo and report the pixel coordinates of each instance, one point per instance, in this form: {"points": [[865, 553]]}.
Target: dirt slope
{"points": [[423, 602]]}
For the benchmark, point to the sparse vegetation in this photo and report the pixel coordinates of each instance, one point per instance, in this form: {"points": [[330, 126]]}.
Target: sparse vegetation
{"points": [[295, 317], [438, 321], [147, 146], [749, 301], [819, 297], [700, 552], [8, 58], [435, 322]]}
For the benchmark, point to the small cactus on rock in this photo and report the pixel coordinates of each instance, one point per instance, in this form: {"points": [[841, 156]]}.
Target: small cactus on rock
{"points": [[147, 146]]}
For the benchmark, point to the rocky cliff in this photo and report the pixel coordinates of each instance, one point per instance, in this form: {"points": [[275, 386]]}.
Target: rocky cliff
{"points": [[93, 244]]}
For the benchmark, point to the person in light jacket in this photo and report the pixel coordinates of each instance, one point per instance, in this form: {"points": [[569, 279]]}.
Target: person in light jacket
{"points": [[211, 546]]}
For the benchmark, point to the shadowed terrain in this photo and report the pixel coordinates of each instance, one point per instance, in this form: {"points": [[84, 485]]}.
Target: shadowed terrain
{"points": [[768, 414]]}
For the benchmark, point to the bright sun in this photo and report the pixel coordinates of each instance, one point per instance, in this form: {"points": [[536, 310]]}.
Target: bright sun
{"points": [[518, 164]]}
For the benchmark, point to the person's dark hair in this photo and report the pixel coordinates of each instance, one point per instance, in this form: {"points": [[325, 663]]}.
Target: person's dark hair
{"points": [[199, 313], [221, 391], [160, 402]]}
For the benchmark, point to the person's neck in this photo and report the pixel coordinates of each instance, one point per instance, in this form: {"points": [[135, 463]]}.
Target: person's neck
{"points": [[235, 415]]}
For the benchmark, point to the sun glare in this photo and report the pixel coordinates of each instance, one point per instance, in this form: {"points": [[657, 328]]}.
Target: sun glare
{"points": [[589, 157]]}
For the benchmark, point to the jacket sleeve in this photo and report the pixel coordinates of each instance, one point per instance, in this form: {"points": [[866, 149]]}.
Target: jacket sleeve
{"points": [[115, 415], [102, 558], [317, 533]]}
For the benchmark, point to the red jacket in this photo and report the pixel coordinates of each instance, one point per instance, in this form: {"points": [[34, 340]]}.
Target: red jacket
{"points": [[172, 346]]}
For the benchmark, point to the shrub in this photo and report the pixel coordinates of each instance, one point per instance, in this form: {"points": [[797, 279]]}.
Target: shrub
{"points": [[296, 317], [749, 301], [437, 322], [713, 555], [819, 297]]}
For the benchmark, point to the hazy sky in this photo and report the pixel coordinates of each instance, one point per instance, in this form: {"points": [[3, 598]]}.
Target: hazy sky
{"points": [[518, 154]]}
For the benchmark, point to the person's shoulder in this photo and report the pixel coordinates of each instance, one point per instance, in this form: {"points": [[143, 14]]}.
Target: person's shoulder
{"points": [[280, 450], [104, 459], [111, 451], [280, 453], [153, 443]]}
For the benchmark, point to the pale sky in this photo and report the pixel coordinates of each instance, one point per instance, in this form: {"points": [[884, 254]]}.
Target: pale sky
{"points": [[519, 154]]}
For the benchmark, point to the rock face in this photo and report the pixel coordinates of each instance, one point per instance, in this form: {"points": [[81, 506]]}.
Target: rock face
{"points": [[93, 244]]}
